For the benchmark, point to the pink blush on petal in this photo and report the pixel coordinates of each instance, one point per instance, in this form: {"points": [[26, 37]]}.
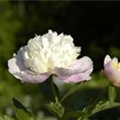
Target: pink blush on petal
{"points": [[77, 72], [38, 78], [77, 78]]}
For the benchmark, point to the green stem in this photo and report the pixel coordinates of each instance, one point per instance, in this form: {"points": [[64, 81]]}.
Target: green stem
{"points": [[111, 93], [53, 90]]}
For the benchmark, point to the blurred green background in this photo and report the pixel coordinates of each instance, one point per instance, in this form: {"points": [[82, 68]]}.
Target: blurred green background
{"points": [[95, 26]]}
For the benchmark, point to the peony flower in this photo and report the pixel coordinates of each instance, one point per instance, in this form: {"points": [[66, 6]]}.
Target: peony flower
{"points": [[112, 70], [50, 54]]}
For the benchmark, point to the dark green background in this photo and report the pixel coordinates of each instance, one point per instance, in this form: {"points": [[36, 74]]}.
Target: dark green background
{"points": [[94, 25]]}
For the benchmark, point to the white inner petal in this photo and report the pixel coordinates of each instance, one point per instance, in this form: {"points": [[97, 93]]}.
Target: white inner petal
{"points": [[44, 53]]}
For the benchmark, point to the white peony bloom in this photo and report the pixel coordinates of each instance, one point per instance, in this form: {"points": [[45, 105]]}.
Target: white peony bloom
{"points": [[50, 54], [44, 53]]}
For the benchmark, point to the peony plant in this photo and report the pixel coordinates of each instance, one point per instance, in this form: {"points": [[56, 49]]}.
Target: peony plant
{"points": [[54, 57]]}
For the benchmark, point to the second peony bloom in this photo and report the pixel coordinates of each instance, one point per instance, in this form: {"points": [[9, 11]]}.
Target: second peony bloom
{"points": [[112, 70], [50, 54]]}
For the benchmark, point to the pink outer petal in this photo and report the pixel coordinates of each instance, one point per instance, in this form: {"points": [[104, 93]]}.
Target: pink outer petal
{"points": [[25, 77], [16, 64], [83, 64], [77, 72], [112, 74], [107, 60], [17, 68]]}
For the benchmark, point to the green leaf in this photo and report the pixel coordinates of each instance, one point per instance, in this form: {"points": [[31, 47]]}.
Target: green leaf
{"points": [[56, 109], [72, 114], [4, 117], [19, 105], [111, 93], [104, 106], [100, 106], [21, 115]]}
